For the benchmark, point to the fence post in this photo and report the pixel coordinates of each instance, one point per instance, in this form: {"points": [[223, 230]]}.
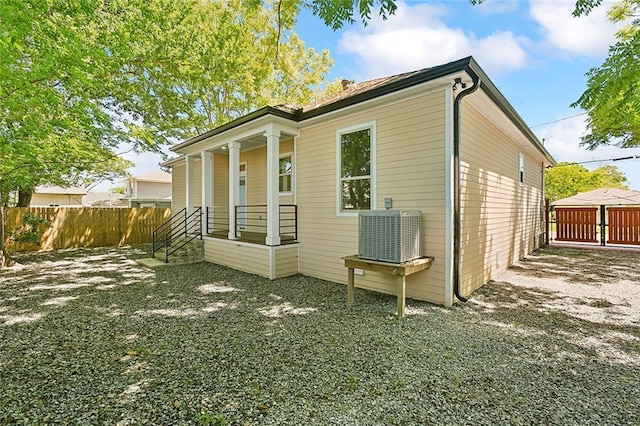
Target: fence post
{"points": [[603, 219], [546, 221]]}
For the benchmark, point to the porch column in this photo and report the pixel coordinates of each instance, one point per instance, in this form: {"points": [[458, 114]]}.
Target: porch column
{"points": [[206, 188], [189, 179], [273, 173], [234, 185]]}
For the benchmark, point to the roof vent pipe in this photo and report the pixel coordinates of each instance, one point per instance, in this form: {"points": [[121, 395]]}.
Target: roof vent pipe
{"points": [[347, 84], [456, 175]]}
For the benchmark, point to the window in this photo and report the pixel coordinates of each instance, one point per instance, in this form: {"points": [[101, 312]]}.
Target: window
{"points": [[285, 170], [521, 169], [356, 168]]}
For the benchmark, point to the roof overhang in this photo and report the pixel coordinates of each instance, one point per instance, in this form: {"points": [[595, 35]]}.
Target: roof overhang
{"points": [[250, 125]]}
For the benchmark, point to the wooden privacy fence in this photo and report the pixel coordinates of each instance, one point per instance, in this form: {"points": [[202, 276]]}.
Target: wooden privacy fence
{"points": [[576, 224], [624, 225], [86, 226]]}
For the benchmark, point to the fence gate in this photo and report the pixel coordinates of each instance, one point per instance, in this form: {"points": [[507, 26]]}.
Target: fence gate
{"points": [[624, 225], [577, 224]]}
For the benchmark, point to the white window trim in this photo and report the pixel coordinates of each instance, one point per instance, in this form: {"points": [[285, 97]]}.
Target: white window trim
{"points": [[521, 163], [373, 176], [293, 170]]}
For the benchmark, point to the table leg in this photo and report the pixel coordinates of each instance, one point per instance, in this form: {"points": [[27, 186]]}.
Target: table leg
{"points": [[401, 295], [351, 287]]}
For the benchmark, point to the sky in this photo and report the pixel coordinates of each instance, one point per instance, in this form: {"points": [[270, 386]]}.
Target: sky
{"points": [[535, 52]]}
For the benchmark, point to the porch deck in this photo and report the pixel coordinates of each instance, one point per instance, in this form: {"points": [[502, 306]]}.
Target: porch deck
{"points": [[250, 237]]}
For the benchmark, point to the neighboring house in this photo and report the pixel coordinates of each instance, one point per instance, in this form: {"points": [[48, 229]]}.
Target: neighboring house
{"points": [[104, 199], [152, 189], [602, 197], [55, 196], [472, 166]]}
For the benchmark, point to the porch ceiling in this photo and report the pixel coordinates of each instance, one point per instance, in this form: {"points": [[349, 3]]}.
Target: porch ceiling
{"points": [[251, 142]]}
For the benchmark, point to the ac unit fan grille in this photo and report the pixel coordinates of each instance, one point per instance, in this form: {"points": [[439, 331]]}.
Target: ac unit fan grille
{"points": [[390, 235]]}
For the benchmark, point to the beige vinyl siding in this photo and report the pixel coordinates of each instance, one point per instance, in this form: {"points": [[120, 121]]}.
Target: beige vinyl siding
{"points": [[500, 218], [153, 190], [178, 187], [410, 144], [47, 200], [286, 260], [248, 258], [197, 182], [221, 181], [256, 160]]}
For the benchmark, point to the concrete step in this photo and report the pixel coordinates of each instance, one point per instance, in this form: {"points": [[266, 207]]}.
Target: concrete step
{"points": [[192, 252]]}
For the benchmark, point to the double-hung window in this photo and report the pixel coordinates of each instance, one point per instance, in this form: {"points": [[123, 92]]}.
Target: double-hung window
{"points": [[356, 168], [521, 169], [285, 174]]}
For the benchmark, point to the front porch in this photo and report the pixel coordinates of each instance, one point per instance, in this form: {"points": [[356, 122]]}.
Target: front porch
{"points": [[267, 261], [244, 185], [249, 251], [251, 223]]}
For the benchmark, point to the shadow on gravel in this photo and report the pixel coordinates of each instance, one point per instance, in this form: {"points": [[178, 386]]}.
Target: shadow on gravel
{"points": [[535, 312], [581, 265], [45, 281], [117, 343]]}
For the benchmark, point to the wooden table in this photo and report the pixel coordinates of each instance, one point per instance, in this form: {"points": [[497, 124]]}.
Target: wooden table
{"points": [[400, 270]]}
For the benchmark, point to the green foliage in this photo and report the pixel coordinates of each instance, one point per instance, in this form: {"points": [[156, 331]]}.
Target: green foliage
{"points": [[566, 180], [117, 190], [33, 227], [204, 418], [336, 13], [612, 98], [80, 78]]}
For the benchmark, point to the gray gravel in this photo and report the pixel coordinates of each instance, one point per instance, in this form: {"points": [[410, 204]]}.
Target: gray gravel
{"points": [[90, 337]]}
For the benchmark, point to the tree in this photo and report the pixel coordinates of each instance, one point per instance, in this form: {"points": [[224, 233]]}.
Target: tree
{"points": [[612, 98], [81, 78], [567, 179]]}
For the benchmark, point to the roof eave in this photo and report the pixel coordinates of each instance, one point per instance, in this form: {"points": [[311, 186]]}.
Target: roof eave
{"points": [[268, 110], [498, 98], [419, 78]]}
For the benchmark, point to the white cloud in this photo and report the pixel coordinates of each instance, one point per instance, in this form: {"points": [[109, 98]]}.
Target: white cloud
{"points": [[562, 139], [497, 6], [416, 37], [587, 35]]}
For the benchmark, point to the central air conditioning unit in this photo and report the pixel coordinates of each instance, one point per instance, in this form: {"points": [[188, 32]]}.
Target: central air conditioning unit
{"points": [[392, 236]]}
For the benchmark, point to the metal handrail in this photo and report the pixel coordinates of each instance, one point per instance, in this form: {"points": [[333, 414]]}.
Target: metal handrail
{"points": [[254, 217], [190, 227], [217, 219], [158, 243]]}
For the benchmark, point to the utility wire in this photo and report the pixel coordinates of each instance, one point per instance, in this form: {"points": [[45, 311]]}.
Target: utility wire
{"points": [[559, 119], [573, 163]]}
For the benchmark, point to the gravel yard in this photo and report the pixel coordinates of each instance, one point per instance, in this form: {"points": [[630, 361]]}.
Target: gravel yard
{"points": [[90, 337]]}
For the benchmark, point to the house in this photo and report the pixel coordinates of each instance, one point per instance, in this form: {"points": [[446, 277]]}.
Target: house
{"points": [[280, 188], [56, 196], [602, 197], [151, 189], [104, 199]]}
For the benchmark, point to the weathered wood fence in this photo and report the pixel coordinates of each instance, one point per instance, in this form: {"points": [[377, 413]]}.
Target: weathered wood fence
{"points": [[86, 226]]}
